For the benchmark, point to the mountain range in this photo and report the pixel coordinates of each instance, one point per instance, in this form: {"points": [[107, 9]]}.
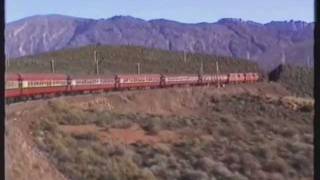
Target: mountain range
{"points": [[267, 44]]}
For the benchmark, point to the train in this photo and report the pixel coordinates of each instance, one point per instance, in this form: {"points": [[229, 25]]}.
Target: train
{"points": [[25, 86]]}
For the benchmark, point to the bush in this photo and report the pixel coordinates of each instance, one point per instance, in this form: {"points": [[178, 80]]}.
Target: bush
{"points": [[220, 170], [307, 108], [91, 136], [122, 124], [151, 128], [277, 165], [194, 175], [206, 164]]}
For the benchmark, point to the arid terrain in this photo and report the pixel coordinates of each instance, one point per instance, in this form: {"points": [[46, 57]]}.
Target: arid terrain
{"points": [[253, 131]]}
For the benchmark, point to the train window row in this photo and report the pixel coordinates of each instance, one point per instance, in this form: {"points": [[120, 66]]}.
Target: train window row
{"points": [[133, 80], [182, 79], [86, 81], [44, 83], [12, 84], [92, 81]]}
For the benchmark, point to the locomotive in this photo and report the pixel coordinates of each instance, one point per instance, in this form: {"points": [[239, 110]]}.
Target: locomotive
{"points": [[19, 86]]}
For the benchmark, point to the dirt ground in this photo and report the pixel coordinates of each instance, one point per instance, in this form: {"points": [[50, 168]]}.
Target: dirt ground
{"points": [[25, 161]]}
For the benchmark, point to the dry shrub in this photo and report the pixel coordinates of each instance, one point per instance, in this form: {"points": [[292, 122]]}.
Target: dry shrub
{"points": [[48, 125], [301, 164], [87, 156], [58, 145], [163, 148], [191, 174], [206, 164], [126, 169], [307, 108], [263, 152], [116, 150], [215, 99], [103, 119], [303, 104], [64, 113], [288, 132], [276, 176], [277, 165], [231, 158], [296, 147], [250, 163], [308, 138], [238, 176], [261, 175], [151, 127], [220, 170], [122, 124], [90, 136], [59, 106], [75, 117]]}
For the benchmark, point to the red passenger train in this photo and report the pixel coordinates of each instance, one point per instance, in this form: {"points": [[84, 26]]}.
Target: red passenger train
{"points": [[32, 85]]}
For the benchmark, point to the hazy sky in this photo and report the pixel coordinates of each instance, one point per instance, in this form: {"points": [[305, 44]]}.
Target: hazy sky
{"points": [[189, 11]]}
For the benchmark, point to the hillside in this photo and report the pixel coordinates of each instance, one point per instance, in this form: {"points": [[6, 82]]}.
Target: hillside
{"points": [[123, 59], [238, 132], [266, 43], [299, 80]]}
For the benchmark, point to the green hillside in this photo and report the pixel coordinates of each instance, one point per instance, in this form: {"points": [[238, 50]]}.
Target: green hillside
{"points": [[299, 80], [124, 59]]}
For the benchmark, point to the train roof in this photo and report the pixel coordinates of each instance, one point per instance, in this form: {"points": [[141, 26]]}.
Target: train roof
{"points": [[222, 74], [92, 77], [11, 77], [138, 75], [176, 75]]}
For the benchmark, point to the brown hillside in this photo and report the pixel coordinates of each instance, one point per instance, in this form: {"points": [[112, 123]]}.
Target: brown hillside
{"points": [[237, 132]]}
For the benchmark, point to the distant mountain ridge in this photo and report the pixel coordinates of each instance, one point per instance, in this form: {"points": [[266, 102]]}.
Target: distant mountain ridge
{"points": [[267, 44]]}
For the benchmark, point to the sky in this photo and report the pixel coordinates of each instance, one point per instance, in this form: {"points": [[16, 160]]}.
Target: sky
{"points": [[188, 11]]}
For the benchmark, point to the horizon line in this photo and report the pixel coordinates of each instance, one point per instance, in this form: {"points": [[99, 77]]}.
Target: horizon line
{"points": [[147, 20]]}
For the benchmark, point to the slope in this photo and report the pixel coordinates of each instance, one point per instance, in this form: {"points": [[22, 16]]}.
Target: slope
{"points": [[263, 43], [123, 59]]}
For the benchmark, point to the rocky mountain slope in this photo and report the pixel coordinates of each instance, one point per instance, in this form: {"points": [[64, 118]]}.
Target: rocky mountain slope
{"points": [[268, 44]]}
